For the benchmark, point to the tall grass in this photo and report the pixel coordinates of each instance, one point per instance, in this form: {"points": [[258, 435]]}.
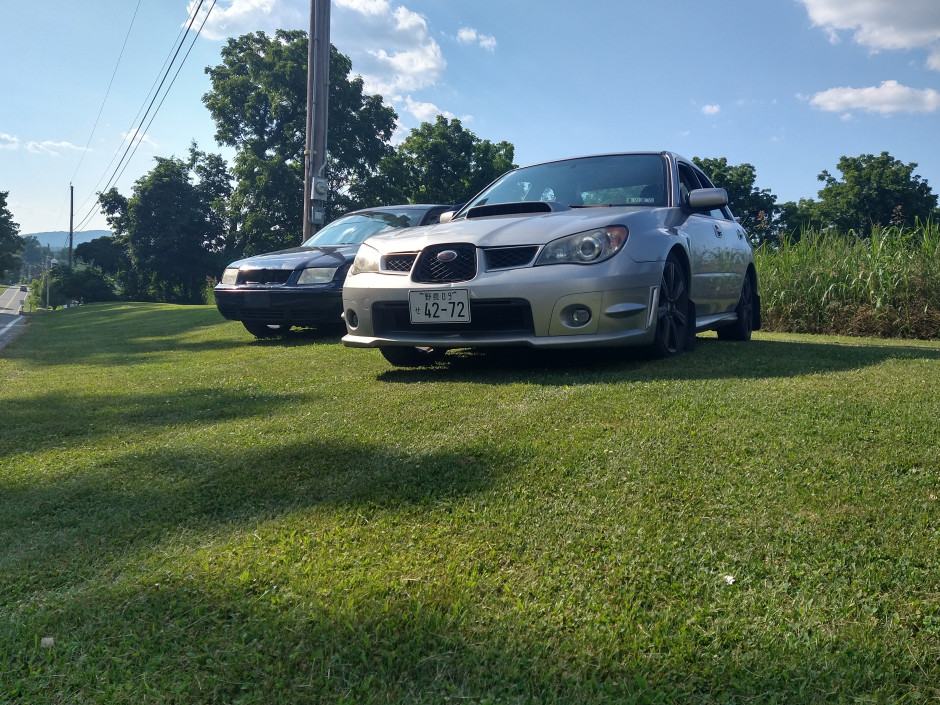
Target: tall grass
{"points": [[883, 285]]}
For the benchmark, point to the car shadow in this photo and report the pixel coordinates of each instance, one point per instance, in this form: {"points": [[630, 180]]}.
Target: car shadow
{"points": [[711, 359]]}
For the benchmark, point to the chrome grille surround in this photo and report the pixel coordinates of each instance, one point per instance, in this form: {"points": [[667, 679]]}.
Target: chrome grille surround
{"points": [[440, 264]]}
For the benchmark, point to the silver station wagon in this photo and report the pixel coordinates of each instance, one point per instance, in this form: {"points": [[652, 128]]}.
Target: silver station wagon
{"points": [[634, 249]]}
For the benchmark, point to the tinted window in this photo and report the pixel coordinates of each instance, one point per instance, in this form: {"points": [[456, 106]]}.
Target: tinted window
{"points": [[620, 179], [354, 229]]}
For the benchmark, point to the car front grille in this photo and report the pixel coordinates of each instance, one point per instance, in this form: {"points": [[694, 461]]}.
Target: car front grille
{"points": [[486, 316], [399, 262], [446, 263], [509, 257], [264, 276]]}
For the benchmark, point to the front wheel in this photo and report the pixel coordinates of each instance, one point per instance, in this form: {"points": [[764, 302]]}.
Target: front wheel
{"points": [[412, 357], [265, 330], [674, 322]]}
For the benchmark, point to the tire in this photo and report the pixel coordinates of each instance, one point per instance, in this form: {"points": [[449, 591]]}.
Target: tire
{"points": [[412, 357], [265, 330], [741, 329], [674, 322]]}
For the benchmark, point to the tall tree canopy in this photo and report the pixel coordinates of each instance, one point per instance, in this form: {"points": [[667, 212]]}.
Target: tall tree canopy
{"points": [[11, 244], [755, 207], [167, 227], [874, 191], [258, 101], [437, 163]]}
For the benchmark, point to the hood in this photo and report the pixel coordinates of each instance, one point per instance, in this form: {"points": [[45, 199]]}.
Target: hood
{"points": [[515, 229], [299, 258]]}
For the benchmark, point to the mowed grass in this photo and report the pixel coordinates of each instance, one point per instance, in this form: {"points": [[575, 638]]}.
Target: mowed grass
{"points": [[193, 516]]}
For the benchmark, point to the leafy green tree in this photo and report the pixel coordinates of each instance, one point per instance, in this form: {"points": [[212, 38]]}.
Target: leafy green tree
{"points": [[757, 208], [108, 253], [874, 191], [437, 163], [213, 183], [33, 257], [11, 244], [166, 225], [259, 101]]}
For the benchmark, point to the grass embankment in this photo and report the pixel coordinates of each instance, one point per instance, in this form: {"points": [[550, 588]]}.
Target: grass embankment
{"points": [[195, 517], [882, 285]]}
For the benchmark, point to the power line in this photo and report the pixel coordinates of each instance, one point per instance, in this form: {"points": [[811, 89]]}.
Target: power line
{"points": [[108, 91], [136, 134]]}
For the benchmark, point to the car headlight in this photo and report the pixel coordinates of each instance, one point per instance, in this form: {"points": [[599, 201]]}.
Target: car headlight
{"points": [[367, 260], [317, 275], [230, 276], [585, 248]]}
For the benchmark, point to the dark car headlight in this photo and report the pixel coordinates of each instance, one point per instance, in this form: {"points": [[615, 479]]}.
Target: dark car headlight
{"points": [[230, 276], [588, 247], [317, 275]]}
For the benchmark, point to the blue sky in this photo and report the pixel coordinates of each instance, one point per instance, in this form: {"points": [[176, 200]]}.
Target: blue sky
{"points": [[786, 85]]}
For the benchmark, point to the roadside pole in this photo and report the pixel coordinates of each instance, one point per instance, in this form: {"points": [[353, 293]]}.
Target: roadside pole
{"points": [[318, 84]]}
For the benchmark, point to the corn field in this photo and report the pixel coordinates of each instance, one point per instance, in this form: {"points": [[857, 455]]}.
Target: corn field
{"points": [[884, 285]]}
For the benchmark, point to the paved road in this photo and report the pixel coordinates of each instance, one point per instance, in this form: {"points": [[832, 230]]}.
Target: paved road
{"points": [[11, 323]]}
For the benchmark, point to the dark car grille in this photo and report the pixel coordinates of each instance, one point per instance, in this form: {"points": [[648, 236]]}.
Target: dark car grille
{"points": [[432, 269], [399, 262], [487, 316], [509, 257], [264, 276]]}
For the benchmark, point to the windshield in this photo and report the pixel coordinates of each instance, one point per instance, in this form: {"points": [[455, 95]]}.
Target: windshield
{"points": [[354, 228], [611, 180]]}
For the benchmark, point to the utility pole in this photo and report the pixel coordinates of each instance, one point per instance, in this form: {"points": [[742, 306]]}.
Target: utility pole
{"points": [[71, 220], [318, 86]]}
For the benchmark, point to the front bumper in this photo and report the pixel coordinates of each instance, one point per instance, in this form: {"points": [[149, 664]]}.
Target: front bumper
{"points": [[538, 307], [280, 305]]}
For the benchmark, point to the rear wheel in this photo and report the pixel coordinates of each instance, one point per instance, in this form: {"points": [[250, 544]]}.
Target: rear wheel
{"points": [[412, 357], [674, 323], [741, 329], [265, 330]]}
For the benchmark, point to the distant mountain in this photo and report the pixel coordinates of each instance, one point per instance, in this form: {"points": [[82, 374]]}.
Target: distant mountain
{"points": [[60, 238]]}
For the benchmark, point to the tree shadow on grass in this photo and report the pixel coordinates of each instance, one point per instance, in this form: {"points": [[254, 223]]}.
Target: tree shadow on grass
{"points": [[83, 525], [712, 359], [60, 419], [250, 638]]}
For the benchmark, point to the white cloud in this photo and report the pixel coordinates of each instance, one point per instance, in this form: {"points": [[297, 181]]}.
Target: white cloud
{"points": [[389, 45], [426, 112], [139, 138], [882, 24], [9, 141], [231, 18], [54, 149], [711, 109], [391, 48], [888, 98], [468, 35]]}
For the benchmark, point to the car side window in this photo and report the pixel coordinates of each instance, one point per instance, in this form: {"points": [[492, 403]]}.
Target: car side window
{"points": [[687, 182]]}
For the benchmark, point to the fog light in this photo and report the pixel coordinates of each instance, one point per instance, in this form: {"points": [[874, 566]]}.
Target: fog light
{"points": [[580, 316], [352, 320]]}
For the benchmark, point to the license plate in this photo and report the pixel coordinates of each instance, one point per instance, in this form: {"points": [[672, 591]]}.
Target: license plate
{"points": [[257, 299], [440, 306]]}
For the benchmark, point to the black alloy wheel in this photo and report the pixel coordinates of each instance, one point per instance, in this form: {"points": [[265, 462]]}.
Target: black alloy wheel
{"points": [[673, 320]]}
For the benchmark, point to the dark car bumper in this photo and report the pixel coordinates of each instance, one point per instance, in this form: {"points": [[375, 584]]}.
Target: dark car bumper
{"points": [[295, 307]]}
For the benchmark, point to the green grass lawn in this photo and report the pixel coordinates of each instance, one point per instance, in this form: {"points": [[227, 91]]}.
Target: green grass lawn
{"points": [[193, 516]]}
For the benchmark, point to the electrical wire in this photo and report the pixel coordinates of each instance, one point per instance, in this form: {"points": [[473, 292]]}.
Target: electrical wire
{"points": [[137, 134]]}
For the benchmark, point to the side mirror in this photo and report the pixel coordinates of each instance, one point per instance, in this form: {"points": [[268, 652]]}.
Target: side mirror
{"points": [[447, 217], [707, 198]]}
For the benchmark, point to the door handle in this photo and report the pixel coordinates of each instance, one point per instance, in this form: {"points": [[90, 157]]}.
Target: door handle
{"points": [[718, 232]]}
